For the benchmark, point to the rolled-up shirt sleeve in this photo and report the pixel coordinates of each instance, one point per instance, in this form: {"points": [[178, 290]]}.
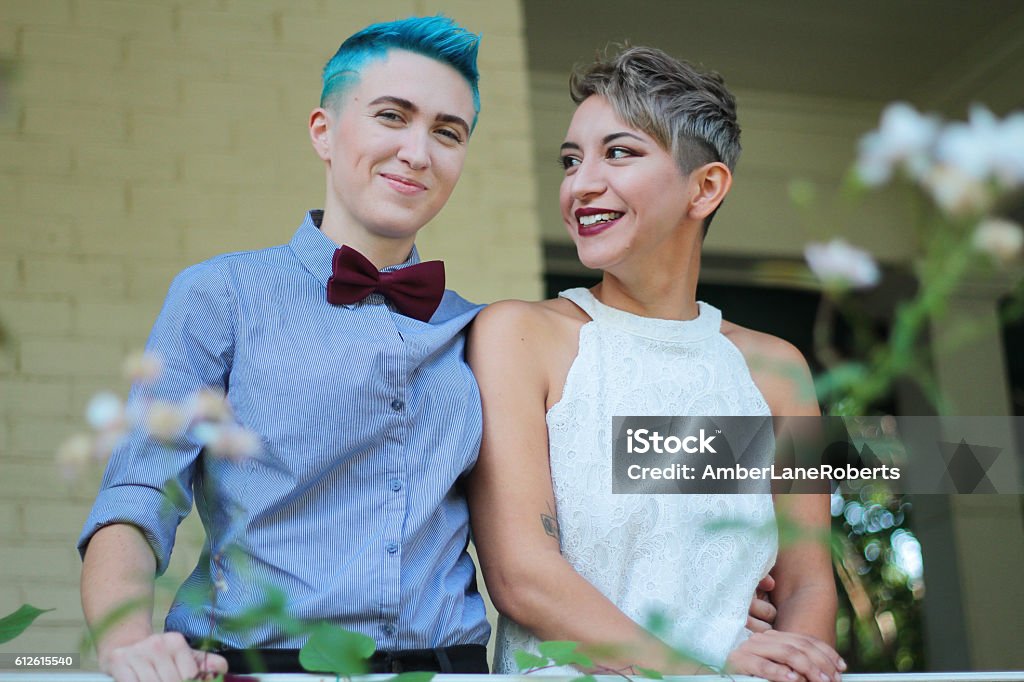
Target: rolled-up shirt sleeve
{"points": [[147, 483]]}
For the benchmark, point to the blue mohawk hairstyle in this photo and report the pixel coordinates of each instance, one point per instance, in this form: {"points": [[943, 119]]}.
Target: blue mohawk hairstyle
{"points": [[437, 37]]}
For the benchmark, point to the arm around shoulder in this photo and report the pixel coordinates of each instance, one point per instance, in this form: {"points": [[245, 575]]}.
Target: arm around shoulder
{"points": [[805, 593]]}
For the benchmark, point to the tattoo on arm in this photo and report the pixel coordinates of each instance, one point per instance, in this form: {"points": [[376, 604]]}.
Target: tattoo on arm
{"points": [[550, 524]]}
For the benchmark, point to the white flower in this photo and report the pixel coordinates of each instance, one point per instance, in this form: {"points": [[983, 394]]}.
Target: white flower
{"points": [[209, 404], [230, 441], [1008, 157], [143, 368], [904, 136], [839, 265], [955, 192], [1002, 240], [105, 412], [971, 147], [165, 420], [74, 456]]}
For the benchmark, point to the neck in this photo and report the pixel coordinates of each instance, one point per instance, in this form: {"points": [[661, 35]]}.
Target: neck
{"points": [[666, 290], [341, 228]]}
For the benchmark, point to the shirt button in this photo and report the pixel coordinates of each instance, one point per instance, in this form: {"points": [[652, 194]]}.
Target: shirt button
{"points": [[397, 405], [389, 629], [392, 547], [395, 485]]}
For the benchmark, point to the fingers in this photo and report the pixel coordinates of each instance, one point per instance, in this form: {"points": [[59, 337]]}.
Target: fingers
{"points": [[763, 610], [767, 584], [830, 653], [802, 655], [120, 670], [755, 625], [745, 662], [210, 663], [164, 657]]}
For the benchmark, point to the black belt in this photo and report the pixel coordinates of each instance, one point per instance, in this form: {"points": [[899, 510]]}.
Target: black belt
{"points": [[463, 658]]}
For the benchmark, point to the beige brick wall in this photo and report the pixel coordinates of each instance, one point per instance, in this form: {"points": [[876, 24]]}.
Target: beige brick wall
{"points": [[140, 136]]}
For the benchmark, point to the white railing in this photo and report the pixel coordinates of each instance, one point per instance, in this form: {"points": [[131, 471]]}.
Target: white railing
{"points": [[1006, 676]]}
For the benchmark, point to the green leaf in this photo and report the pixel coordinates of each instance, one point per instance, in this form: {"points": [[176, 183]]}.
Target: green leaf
{"points": [[525, 660], [564, 653], [421, 676], [649, 674], [657, 623], [331, 649], [14, 624]]}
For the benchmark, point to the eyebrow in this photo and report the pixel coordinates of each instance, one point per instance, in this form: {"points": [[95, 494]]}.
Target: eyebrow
{"points": [[605, 140], [412, 108]]}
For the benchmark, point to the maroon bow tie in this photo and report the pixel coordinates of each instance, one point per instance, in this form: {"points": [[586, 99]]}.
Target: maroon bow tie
{"points": [[415, 290]]}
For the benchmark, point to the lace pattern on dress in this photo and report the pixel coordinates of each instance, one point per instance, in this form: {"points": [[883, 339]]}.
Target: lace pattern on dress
{"points": [[653, 554]]}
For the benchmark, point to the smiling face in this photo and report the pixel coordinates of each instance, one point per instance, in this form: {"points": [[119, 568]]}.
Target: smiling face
{"points": [[623, 194], [394, 148]]}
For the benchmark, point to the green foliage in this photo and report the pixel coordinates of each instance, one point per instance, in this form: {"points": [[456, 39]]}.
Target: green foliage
{"points": [[16, 623], [331, 649], [649, 673], [123, 610], [271, 609], [526, 661], [879, 620], [553, 653], [564, 653]]}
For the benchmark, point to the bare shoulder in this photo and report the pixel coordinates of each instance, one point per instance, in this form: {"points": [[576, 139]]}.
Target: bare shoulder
{"points": [[760, 347], [778, 368], [522, 320]]}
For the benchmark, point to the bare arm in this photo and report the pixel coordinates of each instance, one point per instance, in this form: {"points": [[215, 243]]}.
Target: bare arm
{"points": [[513, 507], [804, 591], [118, 575]]}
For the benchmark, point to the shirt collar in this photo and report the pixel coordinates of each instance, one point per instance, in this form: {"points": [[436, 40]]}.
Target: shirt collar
{"points": [[315, 250]]}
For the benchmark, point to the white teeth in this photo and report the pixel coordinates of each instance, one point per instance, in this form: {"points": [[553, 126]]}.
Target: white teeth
{"points": [[588, 220]]}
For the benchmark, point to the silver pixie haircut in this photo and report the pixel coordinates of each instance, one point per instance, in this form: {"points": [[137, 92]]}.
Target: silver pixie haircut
{"points": [[690, 113]]}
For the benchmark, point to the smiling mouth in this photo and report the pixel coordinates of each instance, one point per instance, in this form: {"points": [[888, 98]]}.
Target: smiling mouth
{"points": [[596, 218], [593, 222], [403, 185]]}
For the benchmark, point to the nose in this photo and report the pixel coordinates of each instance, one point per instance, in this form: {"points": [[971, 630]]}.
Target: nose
{"points": [[414, 149], [587, 182]]}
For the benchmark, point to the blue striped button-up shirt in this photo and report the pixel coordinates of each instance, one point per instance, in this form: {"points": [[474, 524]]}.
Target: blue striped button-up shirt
{"points": [[368, 419]]}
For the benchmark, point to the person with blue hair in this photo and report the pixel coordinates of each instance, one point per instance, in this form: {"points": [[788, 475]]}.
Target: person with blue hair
{"points": [[345, 355]]}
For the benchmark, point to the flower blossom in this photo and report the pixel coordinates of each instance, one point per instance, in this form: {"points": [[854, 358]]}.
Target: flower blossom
{"points": [[1008, 158], [74, 456], [957, 193], [972, 146], [229, 441], [209, 404], [904, 136], [143, 368], [105, 412], [165, 420], [1002, 240], [840, 266]]}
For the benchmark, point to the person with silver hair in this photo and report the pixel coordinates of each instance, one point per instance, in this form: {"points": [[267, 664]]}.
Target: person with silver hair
{"points": [[649, 158]]}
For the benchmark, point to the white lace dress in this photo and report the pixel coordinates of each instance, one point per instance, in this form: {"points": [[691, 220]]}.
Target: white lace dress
{"points": [[653, 553]]}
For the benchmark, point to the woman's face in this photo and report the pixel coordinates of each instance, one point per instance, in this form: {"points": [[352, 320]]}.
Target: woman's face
{"points": [[623, 195], [395, 146]]}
